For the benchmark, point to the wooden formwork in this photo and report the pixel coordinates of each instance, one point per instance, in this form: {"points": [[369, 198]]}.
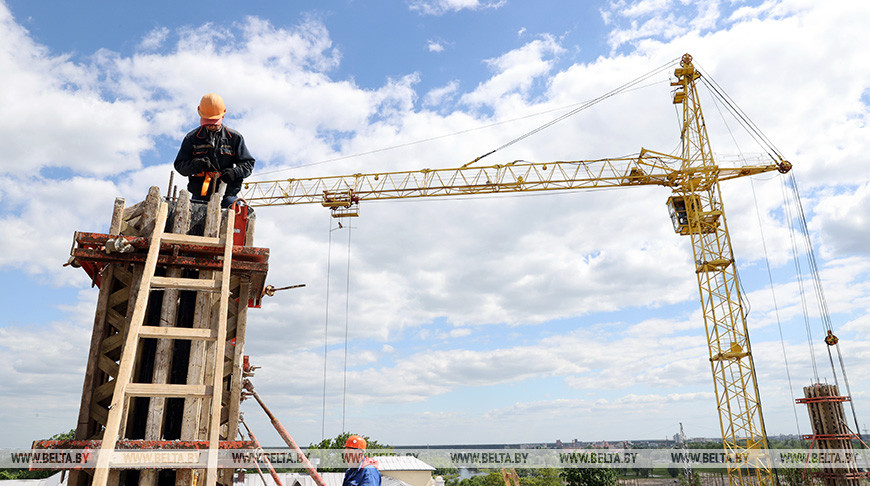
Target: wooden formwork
{"points": [[165, 361], [830, 432]]}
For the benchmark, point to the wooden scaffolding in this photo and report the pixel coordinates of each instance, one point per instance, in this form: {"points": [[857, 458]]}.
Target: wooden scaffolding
{"points": [[167, 312]]}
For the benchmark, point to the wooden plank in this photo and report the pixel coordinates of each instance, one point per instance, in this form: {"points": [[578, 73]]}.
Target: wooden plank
{"points": [[163, 352], [202, 318], [146, 224], [119, 398], [177, 333], [85, 427], [192, 240], [219, 347], [167, 390], [135, 290], [125, 275], [104, 391], [100, 415], [96, 240], [108, 366], [238, 357], [184, 283], [121, 295], [204, 262], [133, 211], [210, 366], [116, 319], [112, 343], [249, 231]]}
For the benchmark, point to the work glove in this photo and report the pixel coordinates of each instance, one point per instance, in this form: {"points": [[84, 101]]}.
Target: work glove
{"points": [[228, 175], [200, 164]]}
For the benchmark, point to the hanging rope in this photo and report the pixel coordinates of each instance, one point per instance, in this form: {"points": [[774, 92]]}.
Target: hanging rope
{"points": [[326, 329], [346, 327]]}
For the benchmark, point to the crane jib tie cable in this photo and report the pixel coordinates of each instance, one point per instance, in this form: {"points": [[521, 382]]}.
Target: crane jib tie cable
{"points": [[614, 92], [794, 215]]}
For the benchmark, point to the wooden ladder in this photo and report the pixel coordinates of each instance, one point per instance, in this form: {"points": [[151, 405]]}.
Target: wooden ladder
{"points": [[124, 389]]}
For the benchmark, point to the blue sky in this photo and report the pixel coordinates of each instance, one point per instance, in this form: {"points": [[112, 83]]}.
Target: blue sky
{"points": [[497, 319]]}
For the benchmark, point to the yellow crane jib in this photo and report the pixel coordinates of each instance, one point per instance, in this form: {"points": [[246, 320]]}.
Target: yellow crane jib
{"points": [[695, 207]]}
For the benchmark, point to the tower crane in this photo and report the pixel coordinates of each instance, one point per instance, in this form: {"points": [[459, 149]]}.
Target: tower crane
{"points": [[696, 210]]}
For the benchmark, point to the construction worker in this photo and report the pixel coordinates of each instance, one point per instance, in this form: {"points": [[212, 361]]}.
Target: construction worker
{"points": [[213, 154], [362, 470]]}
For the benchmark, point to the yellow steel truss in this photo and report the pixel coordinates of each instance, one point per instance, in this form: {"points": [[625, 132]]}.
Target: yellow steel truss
{"points": [[648, 168], [696, 208], [731, 358]]}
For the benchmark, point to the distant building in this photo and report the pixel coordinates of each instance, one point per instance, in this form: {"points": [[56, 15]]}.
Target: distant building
{"points": [[407, 469], [395, 471]]}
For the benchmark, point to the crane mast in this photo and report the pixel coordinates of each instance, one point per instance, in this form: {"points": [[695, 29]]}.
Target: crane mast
{"points": [[695, 208], [731, 361]]}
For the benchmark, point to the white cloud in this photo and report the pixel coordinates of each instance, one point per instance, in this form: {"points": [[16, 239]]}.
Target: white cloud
{"points": [[43, 366], [644, 7], [59, 118], [500, 264], [664, 19], [437, 96], [154, 39], [435, 46], [440, 7], [844, 220], [515, 71]]}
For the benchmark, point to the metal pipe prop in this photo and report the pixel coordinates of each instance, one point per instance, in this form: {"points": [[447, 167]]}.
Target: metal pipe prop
{"points": [[256, 464], [265, 457], [286, 436]]}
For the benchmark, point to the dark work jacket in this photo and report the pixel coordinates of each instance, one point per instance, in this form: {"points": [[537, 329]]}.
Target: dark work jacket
{"points": [[225, 149]]}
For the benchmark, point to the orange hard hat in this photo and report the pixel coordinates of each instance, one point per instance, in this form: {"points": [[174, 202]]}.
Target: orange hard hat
{"points": [[211, 107], [355, 442]]}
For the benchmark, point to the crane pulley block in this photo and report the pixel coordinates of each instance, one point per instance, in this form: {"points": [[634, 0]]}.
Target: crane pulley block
{"points": [[344, 204]]}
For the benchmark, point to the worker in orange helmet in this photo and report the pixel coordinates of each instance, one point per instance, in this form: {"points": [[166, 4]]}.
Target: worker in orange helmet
{"points": [[362, 470], [213, 154]]}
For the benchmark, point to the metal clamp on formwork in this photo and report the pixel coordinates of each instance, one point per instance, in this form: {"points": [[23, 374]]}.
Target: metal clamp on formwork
{"points": [[250, 392], [247, 368], [271, 289]]}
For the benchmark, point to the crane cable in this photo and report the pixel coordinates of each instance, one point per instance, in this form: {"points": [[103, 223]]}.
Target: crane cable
{"points": [[741, 116], [582, 105], [588, 104], [822, 301], [787, 206], [326, 327], [791, 182], [346, 327], [326, 330], [769, 272]]}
